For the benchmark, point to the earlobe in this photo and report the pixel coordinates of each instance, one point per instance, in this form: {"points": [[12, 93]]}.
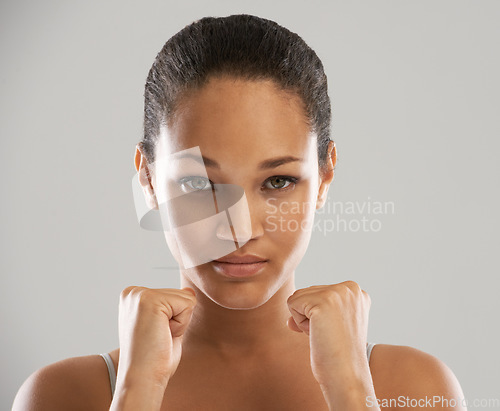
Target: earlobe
{"points": [[321, 197]]}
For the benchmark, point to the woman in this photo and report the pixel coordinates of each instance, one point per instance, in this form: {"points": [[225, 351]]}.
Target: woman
{"points": [[250, 97]]}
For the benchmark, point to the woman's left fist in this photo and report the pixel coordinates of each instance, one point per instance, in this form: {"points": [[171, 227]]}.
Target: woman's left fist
{"points": [[335, 317]]}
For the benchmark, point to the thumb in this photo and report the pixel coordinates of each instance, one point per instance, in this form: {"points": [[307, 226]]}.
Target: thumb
{"points": [[292, 325]]}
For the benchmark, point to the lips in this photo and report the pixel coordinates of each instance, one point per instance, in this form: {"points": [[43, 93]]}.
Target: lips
{"points": [[243, 259]]}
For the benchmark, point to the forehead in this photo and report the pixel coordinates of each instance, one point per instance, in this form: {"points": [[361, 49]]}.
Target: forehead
{"points": [[241, 119]]}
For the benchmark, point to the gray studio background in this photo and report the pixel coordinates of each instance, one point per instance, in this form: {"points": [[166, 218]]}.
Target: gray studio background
{"points": [[415, 93]]}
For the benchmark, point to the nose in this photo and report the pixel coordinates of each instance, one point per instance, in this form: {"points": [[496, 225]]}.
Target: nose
{"points": [[242, 224]]}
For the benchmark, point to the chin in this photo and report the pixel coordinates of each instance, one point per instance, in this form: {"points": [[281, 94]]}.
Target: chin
{"points": [[235, 294], [241, 296]]}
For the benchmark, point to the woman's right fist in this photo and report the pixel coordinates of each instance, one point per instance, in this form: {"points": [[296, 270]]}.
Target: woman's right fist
{"points": [[151, 325]]}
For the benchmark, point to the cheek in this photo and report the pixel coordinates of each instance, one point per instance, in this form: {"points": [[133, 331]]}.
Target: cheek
{"points": [[289, 219], [172, 245]]}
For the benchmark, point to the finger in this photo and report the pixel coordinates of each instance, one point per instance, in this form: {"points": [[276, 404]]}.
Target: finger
{"points": [[190, 290], [185, 293], [301, 320], [171, 303], [353, 285], [291, 324], [179, 323]]}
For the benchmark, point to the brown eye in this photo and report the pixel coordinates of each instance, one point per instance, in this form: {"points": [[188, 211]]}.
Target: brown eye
{"points": [[280, 182]]}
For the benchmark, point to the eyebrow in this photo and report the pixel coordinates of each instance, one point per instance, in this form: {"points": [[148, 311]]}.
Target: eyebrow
{"points": [[263, 165]]}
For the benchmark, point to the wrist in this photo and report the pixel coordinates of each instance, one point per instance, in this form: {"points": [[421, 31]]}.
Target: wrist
{"points": [[134, 375], [135, 393], [347, 373]]}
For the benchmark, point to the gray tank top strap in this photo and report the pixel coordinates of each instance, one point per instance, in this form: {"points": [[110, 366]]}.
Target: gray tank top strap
{"points": [[111, 371], [369, 348]]}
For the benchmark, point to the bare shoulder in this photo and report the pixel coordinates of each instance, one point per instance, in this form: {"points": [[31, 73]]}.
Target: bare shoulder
{"points": [[402, 371], [76, 383]]}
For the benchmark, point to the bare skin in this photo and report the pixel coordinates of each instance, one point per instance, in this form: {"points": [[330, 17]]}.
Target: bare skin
{"points": [[238, 352], [82, 383]]}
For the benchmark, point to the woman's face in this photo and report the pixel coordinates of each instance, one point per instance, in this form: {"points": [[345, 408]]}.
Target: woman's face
{"points": [[239, 124]]}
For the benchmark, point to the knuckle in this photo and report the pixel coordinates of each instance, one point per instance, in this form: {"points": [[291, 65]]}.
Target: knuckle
{"points": [[292, 297], [352, 289], [143, 294], [136, 293], [126, 291], [342, 292], [189, 303], [352, 285]]}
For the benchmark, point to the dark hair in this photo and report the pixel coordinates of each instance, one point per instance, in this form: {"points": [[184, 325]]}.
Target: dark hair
{"points": [[242, 46]]}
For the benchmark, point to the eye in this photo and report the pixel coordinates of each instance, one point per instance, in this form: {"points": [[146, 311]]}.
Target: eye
{"points": [[203, 184], [195, 183], [280, 182]]}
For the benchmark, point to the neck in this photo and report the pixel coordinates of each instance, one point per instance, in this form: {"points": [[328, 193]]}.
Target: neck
{"points": [[239, 331]]}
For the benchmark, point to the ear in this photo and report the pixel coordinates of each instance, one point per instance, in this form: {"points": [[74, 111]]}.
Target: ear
{"points": [[145, 179], [326, 174]]}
